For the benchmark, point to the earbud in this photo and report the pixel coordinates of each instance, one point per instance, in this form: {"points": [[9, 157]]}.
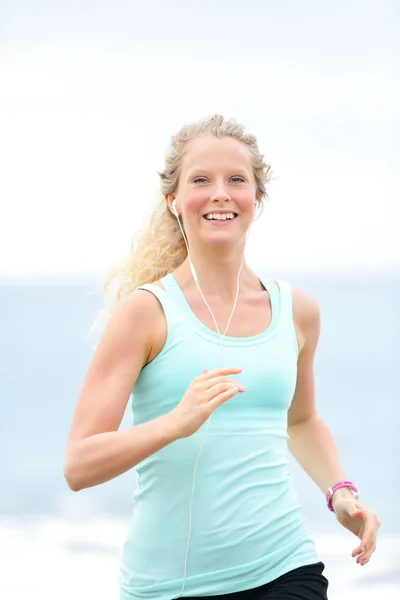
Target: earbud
{"points": [[175, 209]]}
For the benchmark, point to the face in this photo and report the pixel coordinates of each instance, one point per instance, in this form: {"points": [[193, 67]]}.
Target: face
{"points": [[216, 183]]}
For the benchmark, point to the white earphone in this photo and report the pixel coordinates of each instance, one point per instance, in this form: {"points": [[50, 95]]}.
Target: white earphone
{"points": [[196, 280], [175, 209]]}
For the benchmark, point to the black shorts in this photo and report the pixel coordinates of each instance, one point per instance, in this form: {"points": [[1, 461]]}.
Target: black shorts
{"points": [[304, 583]]}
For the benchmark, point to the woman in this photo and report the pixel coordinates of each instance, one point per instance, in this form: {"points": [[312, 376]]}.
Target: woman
{"points": [[221, 364]]}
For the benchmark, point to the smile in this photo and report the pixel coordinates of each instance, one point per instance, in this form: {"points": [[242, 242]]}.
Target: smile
{"points": [[220, 216]]}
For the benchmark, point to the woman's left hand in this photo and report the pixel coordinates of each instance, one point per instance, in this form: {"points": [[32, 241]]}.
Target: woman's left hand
{"points": [[361, 521]]}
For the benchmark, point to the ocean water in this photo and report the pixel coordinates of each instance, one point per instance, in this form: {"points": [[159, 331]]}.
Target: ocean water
{"points": [[51, 557], [56, 537]]}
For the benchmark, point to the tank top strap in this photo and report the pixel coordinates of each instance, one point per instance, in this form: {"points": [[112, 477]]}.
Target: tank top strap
{"points": [[168, 280], [171, 287], [171, 311], [285, 292], [286, 304], [274, 296]]}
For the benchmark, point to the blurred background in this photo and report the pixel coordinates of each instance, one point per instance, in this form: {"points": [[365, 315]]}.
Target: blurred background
{"points": [[90, 95]]}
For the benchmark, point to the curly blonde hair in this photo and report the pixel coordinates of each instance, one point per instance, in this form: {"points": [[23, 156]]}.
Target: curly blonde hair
{"points": [[158, 248]]}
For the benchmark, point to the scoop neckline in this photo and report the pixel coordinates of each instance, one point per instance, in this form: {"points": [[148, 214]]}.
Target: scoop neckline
{"points": [[202, 329]]}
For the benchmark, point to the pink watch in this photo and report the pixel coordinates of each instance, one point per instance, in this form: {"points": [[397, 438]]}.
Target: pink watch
{"points": [[337, 486]]}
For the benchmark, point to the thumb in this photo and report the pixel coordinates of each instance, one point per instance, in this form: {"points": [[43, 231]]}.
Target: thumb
{"points": [[356, 514]]}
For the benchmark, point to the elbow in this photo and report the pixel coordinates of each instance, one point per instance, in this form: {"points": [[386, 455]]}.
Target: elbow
{"points": [[71, 479], [302, 419], [71, 475]]}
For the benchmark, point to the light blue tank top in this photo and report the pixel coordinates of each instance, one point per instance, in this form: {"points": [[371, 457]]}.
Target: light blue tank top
{"points": [[247, 525]]}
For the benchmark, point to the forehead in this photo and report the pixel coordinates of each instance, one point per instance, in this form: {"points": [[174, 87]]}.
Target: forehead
{"points": [[216, 153]]}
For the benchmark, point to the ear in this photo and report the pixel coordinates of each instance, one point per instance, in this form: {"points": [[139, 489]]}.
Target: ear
{"points": [[259, 196], [258, 209], [169, 198]]}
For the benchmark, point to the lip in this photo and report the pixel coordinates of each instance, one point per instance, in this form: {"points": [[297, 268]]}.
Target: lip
{"points": [[220, 212], [220, 222]]}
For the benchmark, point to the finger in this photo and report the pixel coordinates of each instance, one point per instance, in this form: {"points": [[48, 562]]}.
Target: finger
{"points": [[210, 383], [220, 388], [357, 551], [360, 515], [223, 397], [372, 550], [368, 542], [218, 372], [365, 558], [368, 549], [370, 529]]}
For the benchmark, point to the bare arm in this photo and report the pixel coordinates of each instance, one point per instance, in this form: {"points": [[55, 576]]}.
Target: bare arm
{"points": [[310, 440], [96, 451]]}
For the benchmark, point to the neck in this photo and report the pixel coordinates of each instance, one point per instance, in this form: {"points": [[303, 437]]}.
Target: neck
{"points": [[217, 274]]}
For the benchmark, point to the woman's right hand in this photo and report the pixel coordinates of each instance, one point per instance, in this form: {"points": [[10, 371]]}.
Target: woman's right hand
{"points": [[202, 397]]}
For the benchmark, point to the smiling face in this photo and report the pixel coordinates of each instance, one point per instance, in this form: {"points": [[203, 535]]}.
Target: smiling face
{"points": [[216, 192]]}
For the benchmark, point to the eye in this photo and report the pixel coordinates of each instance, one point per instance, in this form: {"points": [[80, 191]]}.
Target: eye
{"points": [[200, 180], [237, 179]]}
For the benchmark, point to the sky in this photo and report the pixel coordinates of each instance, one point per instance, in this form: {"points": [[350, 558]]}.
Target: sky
{"points": [[92, 92]]}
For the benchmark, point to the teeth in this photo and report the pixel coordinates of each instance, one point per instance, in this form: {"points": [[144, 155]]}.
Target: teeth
{"points": [[220, 217]]}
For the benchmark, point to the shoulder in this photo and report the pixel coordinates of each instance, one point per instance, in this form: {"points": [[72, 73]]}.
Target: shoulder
{"points": [[137, 301], [137, 324], [139, 308], [306, 315]]}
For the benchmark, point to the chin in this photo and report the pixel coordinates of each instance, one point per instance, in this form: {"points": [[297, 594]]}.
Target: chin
{"points": [[220, 239]]}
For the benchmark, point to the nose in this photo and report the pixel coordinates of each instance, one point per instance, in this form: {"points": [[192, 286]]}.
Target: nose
{"points": [[220, 193]]}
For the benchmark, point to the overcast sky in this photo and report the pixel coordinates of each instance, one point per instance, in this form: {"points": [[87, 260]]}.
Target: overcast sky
{"points": [[91, 92]]}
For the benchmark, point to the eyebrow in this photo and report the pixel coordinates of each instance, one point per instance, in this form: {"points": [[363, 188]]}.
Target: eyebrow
{"points": [[201, 171]]}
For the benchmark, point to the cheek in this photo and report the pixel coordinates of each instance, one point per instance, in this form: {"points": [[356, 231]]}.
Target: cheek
{"points": [[193, 200], [245, 200]]}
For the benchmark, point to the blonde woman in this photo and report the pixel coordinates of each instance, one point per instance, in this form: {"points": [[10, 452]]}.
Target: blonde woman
{"points": [[220, 361]]}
